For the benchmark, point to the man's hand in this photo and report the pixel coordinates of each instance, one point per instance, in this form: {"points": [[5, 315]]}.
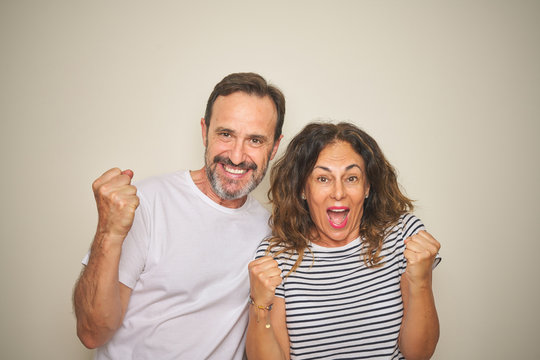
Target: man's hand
{"points": [[116, 201], [99, 299]]}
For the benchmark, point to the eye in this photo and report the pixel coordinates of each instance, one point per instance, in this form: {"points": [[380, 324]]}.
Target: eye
{"points": [[256, 141], [322, 179], [224, 134], [352, 179]]}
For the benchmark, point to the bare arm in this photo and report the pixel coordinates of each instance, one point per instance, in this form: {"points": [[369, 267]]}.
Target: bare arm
{"points": [[263, 342], [99, 299], [419, 332]]}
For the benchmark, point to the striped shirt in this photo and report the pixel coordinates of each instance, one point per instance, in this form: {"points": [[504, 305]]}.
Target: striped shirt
{"points": [[337, 307]]}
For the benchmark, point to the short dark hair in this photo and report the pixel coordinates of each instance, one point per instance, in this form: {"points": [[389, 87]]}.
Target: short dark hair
{"points": [[251, 84]]}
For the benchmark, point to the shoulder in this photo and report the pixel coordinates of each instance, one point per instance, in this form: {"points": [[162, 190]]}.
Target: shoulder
{"points": [[160, 183], [411, 224], [276, 250], [255, 208], [161, 180], [407, 225], [262, 249]]}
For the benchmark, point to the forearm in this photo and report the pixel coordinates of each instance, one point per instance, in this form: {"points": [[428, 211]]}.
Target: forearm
{"points": [[420, 326], [261, 342], [96, 298]]}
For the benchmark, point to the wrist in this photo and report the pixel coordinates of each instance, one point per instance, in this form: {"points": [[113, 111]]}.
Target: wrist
{"points": [[258, 308], [258, 305], [418, 280], [107, 243]]}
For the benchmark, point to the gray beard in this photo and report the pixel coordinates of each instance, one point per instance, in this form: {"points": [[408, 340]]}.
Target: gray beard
{"points": [[217, 183]]}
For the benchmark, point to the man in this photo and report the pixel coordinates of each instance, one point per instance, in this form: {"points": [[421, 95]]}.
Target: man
{"points": [[166, 276]]}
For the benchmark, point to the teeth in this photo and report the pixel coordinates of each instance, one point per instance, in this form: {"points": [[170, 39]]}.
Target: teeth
{"points": [[337, 216], [234, 171]]}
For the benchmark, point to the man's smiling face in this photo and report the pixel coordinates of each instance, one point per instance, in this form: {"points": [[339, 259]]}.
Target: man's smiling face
{"points": [[239, 143]]}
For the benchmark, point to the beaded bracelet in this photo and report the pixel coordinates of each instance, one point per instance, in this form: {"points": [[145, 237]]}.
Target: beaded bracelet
{"points": [[261, 307]]}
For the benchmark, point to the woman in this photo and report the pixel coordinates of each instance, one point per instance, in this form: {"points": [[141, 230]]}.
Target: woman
{"points": [[347, 271]]}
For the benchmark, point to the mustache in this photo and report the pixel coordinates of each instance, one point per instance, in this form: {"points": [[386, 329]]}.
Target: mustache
{"points": [[226, 161]]}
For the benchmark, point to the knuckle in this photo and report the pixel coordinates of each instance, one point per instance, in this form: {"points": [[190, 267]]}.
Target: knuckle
{"points": [[104, 189], [113, 172], [95, 184], [116, 198], [260, 276], [252, 264]]}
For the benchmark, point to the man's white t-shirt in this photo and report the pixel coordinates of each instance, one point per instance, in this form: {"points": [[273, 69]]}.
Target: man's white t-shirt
{"points": [[186, 260]]}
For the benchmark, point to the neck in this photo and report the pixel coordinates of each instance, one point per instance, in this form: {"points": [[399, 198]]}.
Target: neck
{"points": [[200, 179]]}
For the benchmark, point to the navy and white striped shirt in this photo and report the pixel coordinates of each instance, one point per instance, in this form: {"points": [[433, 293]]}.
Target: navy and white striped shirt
{"points": [[337, 307]]}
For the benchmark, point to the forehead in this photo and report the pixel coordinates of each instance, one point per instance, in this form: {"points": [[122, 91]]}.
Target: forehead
{"points": [[338, 155], [242, 112]]}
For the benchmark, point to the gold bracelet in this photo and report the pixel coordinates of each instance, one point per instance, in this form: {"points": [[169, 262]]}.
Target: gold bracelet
{"points": [[261, 307]]}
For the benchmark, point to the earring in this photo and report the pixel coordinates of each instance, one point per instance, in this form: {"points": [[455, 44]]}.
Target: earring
{"points": [[303, 196], [367, 195]]}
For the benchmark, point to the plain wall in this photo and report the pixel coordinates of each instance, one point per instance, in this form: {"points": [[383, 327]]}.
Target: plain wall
{"points": [[450, 89]]}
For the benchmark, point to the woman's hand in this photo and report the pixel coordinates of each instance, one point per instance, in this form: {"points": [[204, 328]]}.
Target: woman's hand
{"points": [[268, 339], [420, 326], [420, 252], [264, 277]]}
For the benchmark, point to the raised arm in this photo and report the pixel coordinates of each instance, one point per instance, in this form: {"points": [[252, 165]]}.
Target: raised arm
{"points": [[267, 337], [99, 299], [419, 332]]}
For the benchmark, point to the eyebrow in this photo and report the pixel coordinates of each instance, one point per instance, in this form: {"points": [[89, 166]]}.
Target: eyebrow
{"points": [[347, 168], [251, 136]]}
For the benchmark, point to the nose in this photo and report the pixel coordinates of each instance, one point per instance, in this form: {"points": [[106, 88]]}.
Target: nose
{"points": [[338, 191], [237, 153]]}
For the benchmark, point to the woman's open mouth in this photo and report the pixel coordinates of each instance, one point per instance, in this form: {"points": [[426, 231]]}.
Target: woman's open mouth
{"points": [[337, 216]]}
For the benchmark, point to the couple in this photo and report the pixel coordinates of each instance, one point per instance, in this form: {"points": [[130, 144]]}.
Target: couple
{"points": [[345, 270]]}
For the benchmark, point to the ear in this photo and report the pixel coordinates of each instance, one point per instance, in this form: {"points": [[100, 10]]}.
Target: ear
{"points": [[204, 132], [275, 148]]}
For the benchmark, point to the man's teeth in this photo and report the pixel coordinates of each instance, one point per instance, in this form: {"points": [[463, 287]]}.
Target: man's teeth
{"points": [[234, 171]]}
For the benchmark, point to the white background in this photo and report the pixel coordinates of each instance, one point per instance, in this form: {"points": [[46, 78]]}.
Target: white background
{"points": [[450, 89]]}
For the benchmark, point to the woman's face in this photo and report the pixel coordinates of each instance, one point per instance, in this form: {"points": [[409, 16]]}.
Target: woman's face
{"points": [[335, 192]]}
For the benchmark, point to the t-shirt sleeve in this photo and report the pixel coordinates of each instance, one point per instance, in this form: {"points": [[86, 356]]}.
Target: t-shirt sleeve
{"points": [[280, 290], [134, 248], [285, 268], [261, 250]]}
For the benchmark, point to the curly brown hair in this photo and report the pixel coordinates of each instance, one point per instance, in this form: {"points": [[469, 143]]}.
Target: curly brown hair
{"points": [[291, 221]]}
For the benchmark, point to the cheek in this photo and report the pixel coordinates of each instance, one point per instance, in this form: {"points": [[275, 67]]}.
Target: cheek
{"points": [[318, 214], [263, 155], [316, 204], [259, 156], [217, 147]]}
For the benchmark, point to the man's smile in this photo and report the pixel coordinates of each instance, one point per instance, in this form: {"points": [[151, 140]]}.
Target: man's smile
{"points": [[235, 171]]}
